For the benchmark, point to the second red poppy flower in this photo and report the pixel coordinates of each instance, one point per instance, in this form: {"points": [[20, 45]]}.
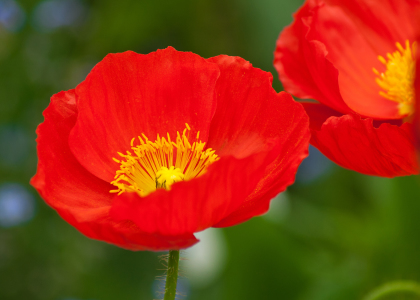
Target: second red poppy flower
{"points": [[357, 59]]}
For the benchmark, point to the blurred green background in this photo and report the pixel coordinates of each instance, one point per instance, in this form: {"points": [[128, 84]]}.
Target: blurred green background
{"points": [[334, 234]]}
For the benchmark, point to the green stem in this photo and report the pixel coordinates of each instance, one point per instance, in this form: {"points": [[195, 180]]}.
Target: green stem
{"points": [[394, 287], [172, 276]]}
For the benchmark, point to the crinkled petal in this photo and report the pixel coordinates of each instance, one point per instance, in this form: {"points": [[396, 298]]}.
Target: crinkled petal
{"points": [[318, 114], [250, 116], [250, 113], [417, 95], [303, 64], [352, 34], [354, 52], [57, 164], [128, 94], [127, 235], [195, 205], [383, 22], [79, 197], [358, 145]]}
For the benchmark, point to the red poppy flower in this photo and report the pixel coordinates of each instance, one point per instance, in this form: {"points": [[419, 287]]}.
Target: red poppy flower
{"points": [[150, 149], [356, 58], [417, 94]]}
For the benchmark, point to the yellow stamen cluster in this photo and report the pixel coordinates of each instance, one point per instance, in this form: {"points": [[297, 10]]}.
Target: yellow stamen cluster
{"points": [[159, 164], [397, 81]]}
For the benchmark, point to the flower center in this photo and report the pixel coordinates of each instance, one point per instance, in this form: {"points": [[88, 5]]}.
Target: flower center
{"points": [[166, 177], [159, 164], [397, 81]]}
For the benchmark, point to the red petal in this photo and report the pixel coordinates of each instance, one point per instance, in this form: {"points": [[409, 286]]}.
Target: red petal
{"points": [[356, 144], [249, 112], [303, 66], [128, 94], [195, 205], [318, 114], [354, 55], [57, 164], [79, 197], [383, 22], [249, 116], [127, 235], [353, 33], [417, 95]]}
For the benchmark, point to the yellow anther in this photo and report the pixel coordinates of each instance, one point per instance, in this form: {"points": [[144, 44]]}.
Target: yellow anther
{"points": [[397, 81], [161, 163]]}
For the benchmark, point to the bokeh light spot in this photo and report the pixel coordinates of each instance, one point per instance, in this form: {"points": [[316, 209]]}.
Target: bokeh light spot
{"points": [[17, 205], [205, 261], [53, 14], [12, 16]]}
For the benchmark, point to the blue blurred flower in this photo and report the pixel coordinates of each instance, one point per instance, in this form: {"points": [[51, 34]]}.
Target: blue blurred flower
{"points": [[52, 14], [12, 16], [17, 205]]}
